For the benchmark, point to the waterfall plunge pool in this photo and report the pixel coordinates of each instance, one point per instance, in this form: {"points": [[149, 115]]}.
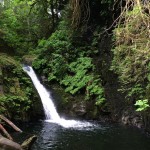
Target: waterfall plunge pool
{"points": [[52, 136], [57, 133]]}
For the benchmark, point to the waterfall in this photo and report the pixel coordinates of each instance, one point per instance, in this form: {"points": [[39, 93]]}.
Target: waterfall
{"points": [[48, 105]]}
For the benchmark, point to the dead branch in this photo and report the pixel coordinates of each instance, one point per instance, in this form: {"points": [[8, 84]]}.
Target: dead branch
{"points": [[28, 142], [5, 132], [10, 123]]}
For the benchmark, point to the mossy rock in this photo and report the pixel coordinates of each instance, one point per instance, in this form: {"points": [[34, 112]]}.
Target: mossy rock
{"points": [[6, 61], [28, 59], [16, 89]]}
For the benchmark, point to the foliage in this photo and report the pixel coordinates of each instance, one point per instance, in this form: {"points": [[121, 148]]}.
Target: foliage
{"points": [[56, 50], [95, 88], [15, 104], [85, 13], [131, 51], [137, 91], [79, 76], [67, 61], [11, 26], [17, 91], [5, 60], [142, 105], [22, 27]]}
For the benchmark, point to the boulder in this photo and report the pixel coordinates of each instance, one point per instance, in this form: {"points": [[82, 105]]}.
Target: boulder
{"points": [[131, 117]]}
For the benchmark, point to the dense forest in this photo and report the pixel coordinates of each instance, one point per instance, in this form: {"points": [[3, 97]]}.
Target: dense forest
{"points": [[96, 53]]}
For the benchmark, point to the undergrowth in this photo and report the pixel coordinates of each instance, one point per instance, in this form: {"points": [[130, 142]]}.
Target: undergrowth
{"points": [[132, 50]]}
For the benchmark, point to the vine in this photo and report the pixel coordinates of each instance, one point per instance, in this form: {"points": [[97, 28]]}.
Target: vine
{"points": [[80, 12], [132, 48]]}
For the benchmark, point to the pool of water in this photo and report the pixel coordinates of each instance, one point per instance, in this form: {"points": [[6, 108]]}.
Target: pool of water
{"points": [[99, 136]]}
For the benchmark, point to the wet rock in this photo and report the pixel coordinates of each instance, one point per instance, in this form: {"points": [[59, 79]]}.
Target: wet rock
{"points": [[79, 108], [130, 117], [44, 79]]}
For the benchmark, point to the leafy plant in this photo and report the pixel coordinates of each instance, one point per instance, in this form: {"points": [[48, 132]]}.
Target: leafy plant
{"points": [[95, 88], [78, 77], [142, 105], [68, 61]]}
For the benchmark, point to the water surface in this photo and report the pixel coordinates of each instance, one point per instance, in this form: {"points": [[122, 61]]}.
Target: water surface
{"points": [[52, 136]]}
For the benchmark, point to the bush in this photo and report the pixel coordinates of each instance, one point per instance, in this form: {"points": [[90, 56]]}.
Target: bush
{"points": [[68, 62]]}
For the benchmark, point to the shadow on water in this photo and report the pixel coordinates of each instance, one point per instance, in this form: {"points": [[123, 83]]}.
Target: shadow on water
{"points": [[52, 136]]}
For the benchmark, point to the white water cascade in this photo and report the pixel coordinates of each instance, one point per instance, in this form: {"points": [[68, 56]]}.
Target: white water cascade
{"points": [[48, 105]]}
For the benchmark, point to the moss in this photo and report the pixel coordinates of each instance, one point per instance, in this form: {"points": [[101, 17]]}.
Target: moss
{"points": [[28, 59], [131, 52], [17, 88], [6, 61]]}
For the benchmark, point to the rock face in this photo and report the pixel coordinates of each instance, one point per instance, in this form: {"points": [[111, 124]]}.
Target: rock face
{"points": [[132, 118], [79, 109]]}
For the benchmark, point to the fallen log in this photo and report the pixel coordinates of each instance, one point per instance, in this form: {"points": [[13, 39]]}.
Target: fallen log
{"points": [[26, 145], [6, 144], [5, 132], [10, 123]]}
